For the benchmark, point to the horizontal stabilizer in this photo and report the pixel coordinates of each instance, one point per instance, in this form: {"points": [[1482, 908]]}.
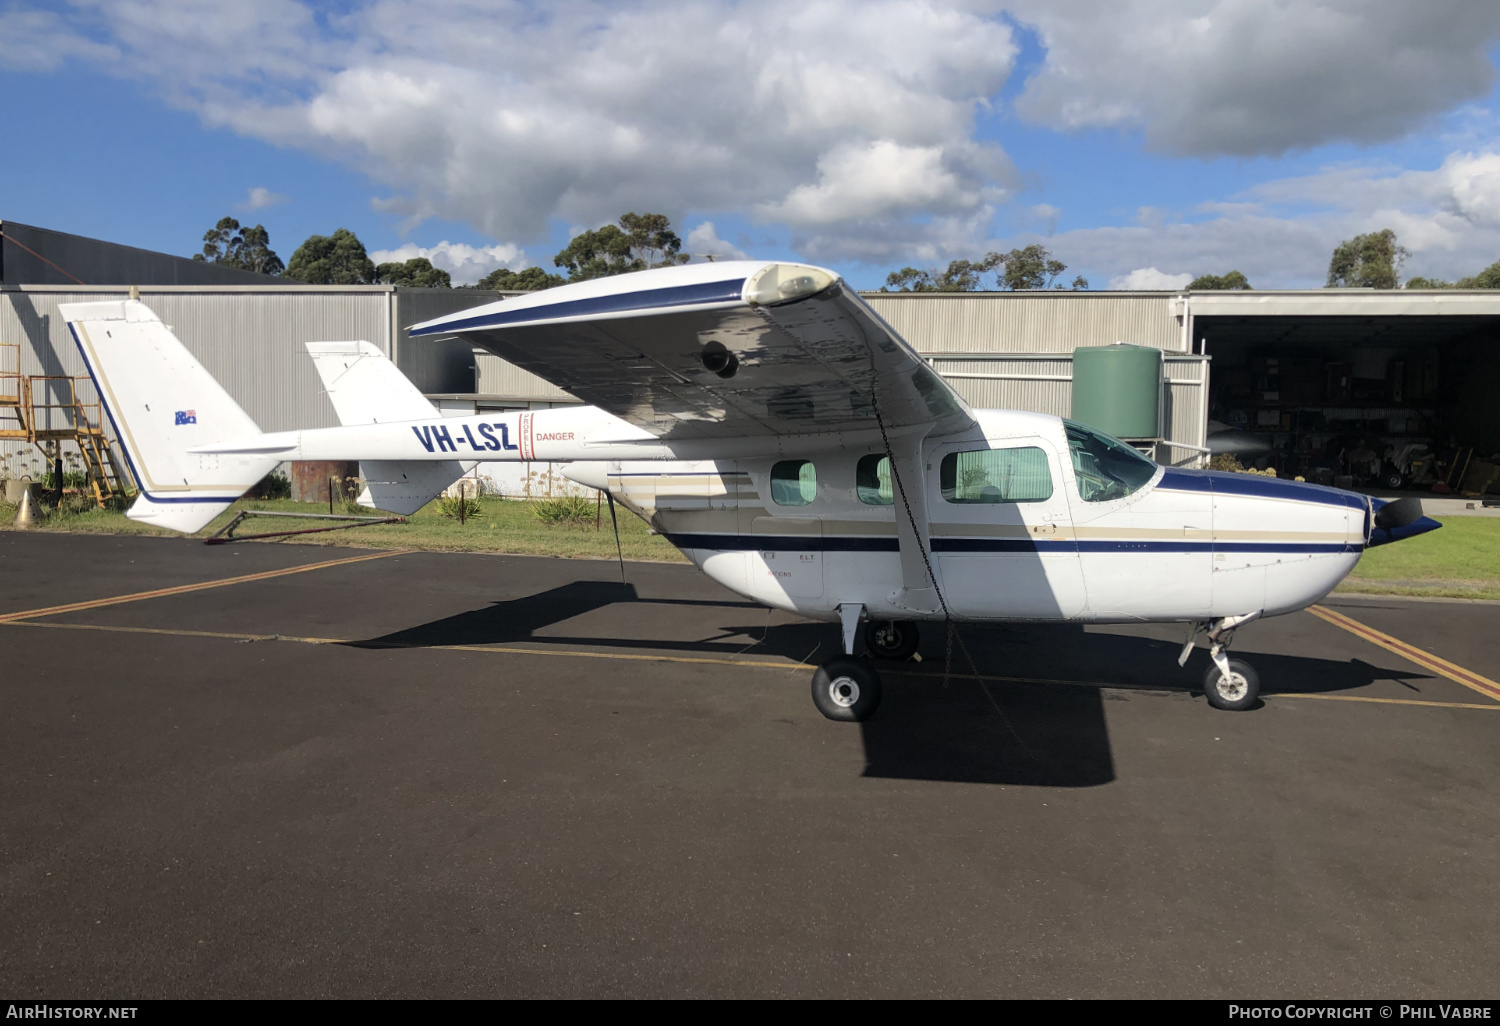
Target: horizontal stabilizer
{"points": [[405, 486]]}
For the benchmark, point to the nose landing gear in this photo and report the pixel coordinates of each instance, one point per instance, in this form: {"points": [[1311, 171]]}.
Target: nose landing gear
{"points": [[1234, 688], [1230, 684]]}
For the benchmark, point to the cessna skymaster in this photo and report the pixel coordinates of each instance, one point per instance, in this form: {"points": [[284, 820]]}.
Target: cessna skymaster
{"points": [[768, 423]]}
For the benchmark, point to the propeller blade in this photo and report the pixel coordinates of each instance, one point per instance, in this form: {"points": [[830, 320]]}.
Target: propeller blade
{"points": [[1399, 513], [1239, 443]]}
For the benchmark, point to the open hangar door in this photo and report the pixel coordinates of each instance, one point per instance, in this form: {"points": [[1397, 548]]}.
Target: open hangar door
{"points": [[1381, 402]]}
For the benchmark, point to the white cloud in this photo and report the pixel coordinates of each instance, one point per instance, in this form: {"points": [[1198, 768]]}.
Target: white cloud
{"points": [[1046, 215], [908, 240], [854, 124], [1281, 233], [1209, 77], [41, 40], [259, 197], [465, 264], [864, 180], [703, 242], [1474, 182], [512, 117], [1149, 279]]}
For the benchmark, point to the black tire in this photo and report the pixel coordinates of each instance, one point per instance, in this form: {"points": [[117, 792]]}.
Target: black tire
{"points": [[1392, 478], [846, 689], [892, 639], [1241, 693]]}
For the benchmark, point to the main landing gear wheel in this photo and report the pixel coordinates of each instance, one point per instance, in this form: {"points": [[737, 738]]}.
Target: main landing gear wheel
{"points": [[892, 639], [847, 689], [1239, 690]]}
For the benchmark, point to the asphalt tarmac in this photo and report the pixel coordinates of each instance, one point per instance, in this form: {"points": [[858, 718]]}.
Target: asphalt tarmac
{"points": [[427, 774]]}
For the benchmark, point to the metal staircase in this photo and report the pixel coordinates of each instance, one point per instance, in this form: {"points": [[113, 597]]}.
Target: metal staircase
{"points": [[61, 417], [14, 402]]}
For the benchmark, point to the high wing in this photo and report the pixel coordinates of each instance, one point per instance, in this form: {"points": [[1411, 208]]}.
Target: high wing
{"points": [[739, 349]]}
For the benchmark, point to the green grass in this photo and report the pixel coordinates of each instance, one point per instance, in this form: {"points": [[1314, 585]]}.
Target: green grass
{"points": [[506, 526], [1461, 560]]}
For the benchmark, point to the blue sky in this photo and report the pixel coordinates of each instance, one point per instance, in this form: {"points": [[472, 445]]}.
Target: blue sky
{"points": [[1141, 140]]}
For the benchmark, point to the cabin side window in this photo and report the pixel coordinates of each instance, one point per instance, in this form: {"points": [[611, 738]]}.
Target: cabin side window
{"points": [[996, 475], [872, 480], [1105, 468], [794, 483]]}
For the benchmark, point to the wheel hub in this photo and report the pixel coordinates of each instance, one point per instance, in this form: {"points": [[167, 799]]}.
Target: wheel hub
{"points": [[1233, 687], [844, 691]]}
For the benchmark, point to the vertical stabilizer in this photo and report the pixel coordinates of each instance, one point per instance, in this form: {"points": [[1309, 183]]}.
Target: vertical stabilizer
{"points": [[365, 387], [161, 403]]}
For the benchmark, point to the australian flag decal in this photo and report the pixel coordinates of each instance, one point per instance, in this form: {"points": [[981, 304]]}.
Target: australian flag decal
{"points": [[186, 417]]}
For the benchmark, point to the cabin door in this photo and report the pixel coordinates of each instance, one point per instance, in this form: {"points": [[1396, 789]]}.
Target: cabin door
{"points": [[1001, 530]]}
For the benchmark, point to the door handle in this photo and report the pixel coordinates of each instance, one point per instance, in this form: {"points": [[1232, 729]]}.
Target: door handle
{"points": [[1043, 530]]}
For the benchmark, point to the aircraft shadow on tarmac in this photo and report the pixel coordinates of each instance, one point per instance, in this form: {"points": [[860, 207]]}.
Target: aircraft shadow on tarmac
{"points": [[1043, 726]]}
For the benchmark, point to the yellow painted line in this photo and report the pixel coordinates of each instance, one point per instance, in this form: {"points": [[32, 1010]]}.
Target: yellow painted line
{"points": [[1426, 660], [712, 660], [1131, 687], [183, 589], [391, 646], [1390, 701]]}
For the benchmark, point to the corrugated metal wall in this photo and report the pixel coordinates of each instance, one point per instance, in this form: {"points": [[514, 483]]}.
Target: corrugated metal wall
{"points": [[436, 365], [502, 379], [1044, 384], [1013, 336], [1186, 408], [1028, 322], [251, 339]]}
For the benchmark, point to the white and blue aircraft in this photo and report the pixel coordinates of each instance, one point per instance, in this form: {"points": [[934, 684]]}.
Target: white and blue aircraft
{"points": [[773, 427]]}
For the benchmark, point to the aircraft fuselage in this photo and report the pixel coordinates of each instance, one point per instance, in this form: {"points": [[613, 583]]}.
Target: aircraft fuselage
{"points": [[1185, 546]]}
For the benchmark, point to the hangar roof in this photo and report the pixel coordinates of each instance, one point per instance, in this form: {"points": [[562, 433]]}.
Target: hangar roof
{"points": [[1341, 303], [40, 256], [1357, 317]]}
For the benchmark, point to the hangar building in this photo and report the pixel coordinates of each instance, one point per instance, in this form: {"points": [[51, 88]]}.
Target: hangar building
{"points": [[1316, 375], [247, 329]]}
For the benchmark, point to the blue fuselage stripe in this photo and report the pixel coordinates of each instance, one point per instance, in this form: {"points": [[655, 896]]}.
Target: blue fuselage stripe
{"points": [[1226, 483], [782, 543], [835, 543], [627, 302]]}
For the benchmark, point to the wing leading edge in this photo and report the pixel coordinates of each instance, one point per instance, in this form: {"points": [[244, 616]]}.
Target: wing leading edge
{"points": [[719, 350]]}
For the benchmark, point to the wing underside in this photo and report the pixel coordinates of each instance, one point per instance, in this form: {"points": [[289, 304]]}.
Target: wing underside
{"points": [[723, 366]]}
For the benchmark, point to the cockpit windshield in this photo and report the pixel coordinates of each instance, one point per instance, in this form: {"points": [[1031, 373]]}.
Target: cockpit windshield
{"points": [[1106, 468]]}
